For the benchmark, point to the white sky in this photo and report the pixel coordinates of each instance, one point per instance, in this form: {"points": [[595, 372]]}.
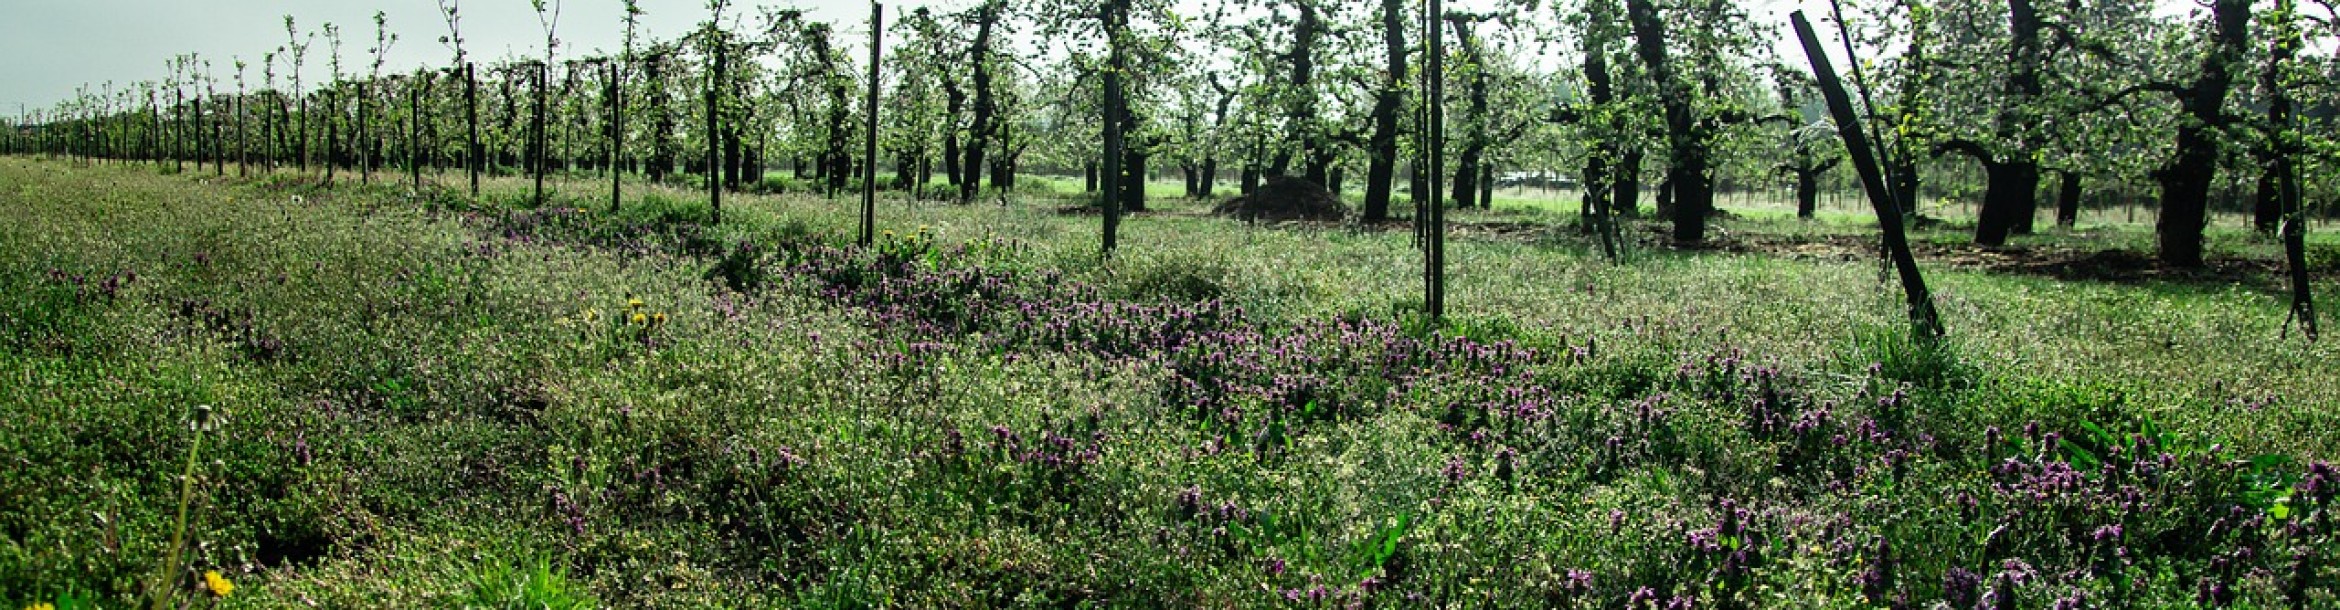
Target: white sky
{"points": [[55, 46]]}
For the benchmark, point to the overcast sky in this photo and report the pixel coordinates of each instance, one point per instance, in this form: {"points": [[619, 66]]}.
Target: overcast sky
{"points": [[54, 46]]}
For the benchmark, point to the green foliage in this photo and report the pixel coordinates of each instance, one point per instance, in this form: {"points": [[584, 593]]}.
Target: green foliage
{"points": [[1896, 355], [1153, 278], [783, 184], [534, 586], [938, 192], [461, 409]]}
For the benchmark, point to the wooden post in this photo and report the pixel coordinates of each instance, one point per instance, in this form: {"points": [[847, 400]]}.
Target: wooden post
{"points": [[243, 146], [714, 167], [537, 141], [414, 118], [332, 131], [179, 133], [1434, 231], [471, 147], [877, 19], [1926, 322], [617, 132], [364, 135]]}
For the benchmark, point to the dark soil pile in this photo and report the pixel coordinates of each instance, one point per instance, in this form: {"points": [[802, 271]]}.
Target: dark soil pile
{"points": [[1285, 198]]}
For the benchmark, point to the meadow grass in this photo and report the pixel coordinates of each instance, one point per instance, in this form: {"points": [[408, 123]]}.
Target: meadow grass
{"points": [[419, 399]]}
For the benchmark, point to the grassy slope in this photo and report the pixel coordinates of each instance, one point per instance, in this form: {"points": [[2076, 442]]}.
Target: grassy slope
{"points": [[420, 403]]}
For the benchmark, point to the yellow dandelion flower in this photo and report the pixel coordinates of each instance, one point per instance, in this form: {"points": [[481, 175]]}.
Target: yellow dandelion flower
{"points": [[889, 234], [640, 319], [658, 318], [634, 303], [218, 585], [41, 606]]}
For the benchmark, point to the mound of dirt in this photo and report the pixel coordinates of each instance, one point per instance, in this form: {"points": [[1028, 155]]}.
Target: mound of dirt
{"points": [[1285, 198]]}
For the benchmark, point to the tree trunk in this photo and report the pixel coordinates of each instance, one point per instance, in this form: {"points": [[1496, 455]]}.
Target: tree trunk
{"points": [[1381, 168], [1595, 211], [979, 131], [2068, 200], [1626, 197], [2011, 192], [839, 153], [1692, 189], [1134, 177], [1486, 185], [1116, 26], [2185, 181], [1210, 178], [1807, 193], [2011, 197], [1466, 178], [1003, 164], [2267, 203], [1925, 320], [1306, 29], [956, 101], [662, 126], [1468, 173], [2282, 126]]}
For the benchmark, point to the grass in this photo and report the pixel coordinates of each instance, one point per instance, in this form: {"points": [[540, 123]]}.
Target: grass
{"points": [[426, 401]]}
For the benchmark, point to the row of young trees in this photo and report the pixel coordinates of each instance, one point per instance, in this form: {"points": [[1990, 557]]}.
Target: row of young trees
{"points": [[1681, 95]]}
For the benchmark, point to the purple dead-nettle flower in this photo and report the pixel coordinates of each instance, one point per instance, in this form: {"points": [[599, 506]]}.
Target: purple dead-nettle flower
{"points": [[2017, 571], [1704, 541], [1229, 511], [2107, 533], [2213, 592], [2321, 484], [301, 449], [1961, 588]]}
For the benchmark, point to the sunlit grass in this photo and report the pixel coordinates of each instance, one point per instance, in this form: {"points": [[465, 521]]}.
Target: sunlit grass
{"points": [[442, 403]]}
